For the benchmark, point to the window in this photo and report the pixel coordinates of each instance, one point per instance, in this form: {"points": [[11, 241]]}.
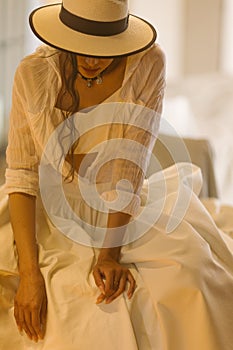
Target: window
{"points": [[16, 40], [12, 24]]}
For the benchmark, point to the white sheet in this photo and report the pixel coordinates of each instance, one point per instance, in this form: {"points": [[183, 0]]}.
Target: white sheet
{"points": [[185, 280]]}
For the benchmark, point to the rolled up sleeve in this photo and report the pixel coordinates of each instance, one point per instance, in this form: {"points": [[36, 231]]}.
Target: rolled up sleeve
{"points": [[22, 161], [133, 152], [126, 171]]}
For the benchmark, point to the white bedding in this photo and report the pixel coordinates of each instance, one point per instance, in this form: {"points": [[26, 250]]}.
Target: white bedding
{"points": [[202, 107], [182, 278]]}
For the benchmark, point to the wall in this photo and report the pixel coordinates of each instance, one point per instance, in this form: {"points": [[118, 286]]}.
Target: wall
{"points": [[202, 38], [188, 32], [31, 42], [168, 18], [226, 58], [12, 38]]}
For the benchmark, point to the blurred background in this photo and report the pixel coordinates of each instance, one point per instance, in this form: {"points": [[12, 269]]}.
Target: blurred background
{"points": [[197, 38]]}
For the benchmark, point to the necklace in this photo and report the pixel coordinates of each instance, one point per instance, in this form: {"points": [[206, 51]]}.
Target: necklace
{"points": [[98, 79]]}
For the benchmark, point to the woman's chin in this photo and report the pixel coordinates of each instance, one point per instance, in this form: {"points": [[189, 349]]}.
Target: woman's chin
{"points": [[90, 73]]}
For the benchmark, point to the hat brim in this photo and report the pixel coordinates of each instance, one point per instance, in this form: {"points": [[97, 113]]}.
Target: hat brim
{"points": [[47, 26]]}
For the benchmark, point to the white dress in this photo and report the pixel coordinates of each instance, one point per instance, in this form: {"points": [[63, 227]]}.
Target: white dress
{"points": [[182, 262]]}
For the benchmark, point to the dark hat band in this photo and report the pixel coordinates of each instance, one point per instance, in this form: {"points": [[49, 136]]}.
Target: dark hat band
{"points": [[90, 27]]}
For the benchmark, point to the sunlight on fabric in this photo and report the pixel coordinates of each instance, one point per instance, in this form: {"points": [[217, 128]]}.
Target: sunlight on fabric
{"points": [[227, 37], [46, 2], [1, 120]]}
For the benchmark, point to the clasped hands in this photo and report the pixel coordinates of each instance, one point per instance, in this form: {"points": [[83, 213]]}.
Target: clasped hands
{"points": [[30, 307], [111, 279]]}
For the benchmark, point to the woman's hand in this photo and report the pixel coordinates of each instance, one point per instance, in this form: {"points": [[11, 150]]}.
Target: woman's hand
{"points": [[115, 276], [31, 305]]}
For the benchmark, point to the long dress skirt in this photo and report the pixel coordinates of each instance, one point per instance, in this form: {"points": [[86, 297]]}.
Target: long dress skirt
{"points": [[181, 260]]}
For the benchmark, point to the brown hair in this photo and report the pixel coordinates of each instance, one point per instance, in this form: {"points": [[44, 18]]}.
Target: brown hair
{"points": [[69, 71]]}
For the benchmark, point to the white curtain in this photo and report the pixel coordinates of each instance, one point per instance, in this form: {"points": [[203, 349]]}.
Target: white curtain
{"points": [[188, 30], [168, 18], [227, 37], [16, 41], [12, 37]]}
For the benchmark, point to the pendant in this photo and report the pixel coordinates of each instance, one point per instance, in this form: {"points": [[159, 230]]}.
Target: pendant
{"points": [[89, 83], [99, 80]]}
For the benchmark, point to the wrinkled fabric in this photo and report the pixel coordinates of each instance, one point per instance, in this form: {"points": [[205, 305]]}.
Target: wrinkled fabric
{"points": [[36, 85], [184, 277], [121, 136], [181, 260]]}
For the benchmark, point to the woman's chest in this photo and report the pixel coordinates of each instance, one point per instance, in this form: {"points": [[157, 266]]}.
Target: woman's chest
{"points": [[91, 92]]}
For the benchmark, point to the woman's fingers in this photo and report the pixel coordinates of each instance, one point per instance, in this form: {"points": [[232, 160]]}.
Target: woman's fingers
{"points": [[99, 280], [24, 322], [109, 283], [120, 289], [116, 277], [100, 298], [127, 276], [16, 315], [43, 315], [36, 322], [28, 321], [31, 319], [28, 317], [132, 285], [30, 307]]}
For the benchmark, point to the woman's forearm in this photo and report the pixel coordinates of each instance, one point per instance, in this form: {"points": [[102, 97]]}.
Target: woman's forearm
{"points": [[22, 213], [110, 276], [113, 239]]}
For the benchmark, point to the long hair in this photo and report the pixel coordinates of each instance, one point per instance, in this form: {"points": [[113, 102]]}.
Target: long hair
{"points": [[69, 71]]}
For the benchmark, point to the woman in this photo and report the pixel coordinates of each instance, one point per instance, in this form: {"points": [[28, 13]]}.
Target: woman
{"points": [[94, 244]]}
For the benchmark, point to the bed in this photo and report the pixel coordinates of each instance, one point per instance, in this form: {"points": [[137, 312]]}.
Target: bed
{"points": [[200, 107], [169, 300]]}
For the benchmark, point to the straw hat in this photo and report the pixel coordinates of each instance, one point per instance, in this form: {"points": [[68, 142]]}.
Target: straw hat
{"points": [[100, 28]]}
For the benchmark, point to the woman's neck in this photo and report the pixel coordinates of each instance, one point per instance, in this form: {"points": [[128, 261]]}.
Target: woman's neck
{"points": [[112, 81]]}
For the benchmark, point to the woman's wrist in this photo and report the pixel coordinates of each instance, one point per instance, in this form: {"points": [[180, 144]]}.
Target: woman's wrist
{"points": [[114, 237], [29, 270], [29, 262], [109, 253]]}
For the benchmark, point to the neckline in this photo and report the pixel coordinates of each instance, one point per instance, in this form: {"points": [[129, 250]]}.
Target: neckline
{"points": [[90, 108], [87, 109]]}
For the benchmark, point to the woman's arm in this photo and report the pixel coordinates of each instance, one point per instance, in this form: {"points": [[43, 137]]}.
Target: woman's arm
{"points": [[108, 267], [140, 129], [30, 301]]}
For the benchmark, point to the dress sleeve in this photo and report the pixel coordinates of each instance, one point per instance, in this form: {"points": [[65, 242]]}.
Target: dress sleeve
{"points": [[133, 151], [22, 161]]}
